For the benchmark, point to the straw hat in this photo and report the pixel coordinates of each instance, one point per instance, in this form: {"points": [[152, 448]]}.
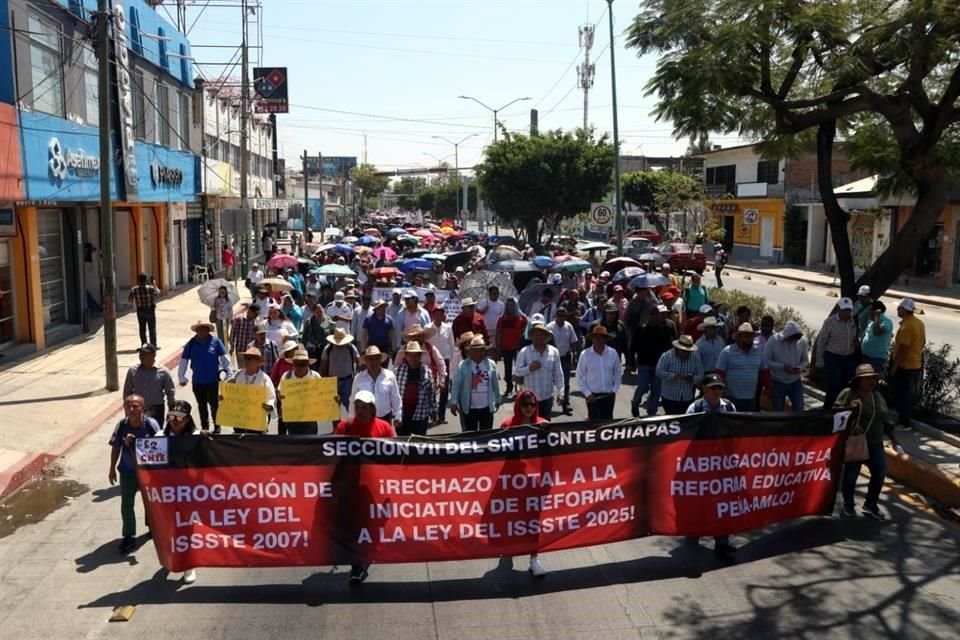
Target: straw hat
{"points": [[599, 331], [685, 343], [746, 327], [413, 347], [708, 322], [467, 302], [416, 332], [203, 323], [539, 326], [379, 303], [252, 352], [300, 355], [477, 343], [864, 371], [464, 338], [289, 345], [340, 338], [374, 352]]}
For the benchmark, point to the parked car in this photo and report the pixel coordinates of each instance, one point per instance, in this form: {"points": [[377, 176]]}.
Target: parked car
{"points": [[683, 257], [634, 247]]}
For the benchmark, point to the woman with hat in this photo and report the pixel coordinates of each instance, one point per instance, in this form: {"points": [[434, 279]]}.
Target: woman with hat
{"points": [[422, 335], [418, 392], [382, 383], [206, 355], [476, 388], [598, 374], [679, 369], [301, 362], [339, 360], [252, 375], [873, 419]]}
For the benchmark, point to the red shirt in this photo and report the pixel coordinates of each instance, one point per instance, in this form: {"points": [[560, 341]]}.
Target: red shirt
{"points": [[462, 324], [377, 428], [510, 329], [280, 367]]}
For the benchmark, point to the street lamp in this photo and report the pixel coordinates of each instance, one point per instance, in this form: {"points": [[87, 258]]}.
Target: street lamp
{"points": [[618, 204], [456, 162], [495, 111], [440, 162]]}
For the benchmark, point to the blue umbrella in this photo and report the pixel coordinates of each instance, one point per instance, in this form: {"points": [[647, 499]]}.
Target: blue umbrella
{"points": [[627, 274], [343, 248], [513, 266], [649, 281], [396, 231], [543, 262], [414, 263], [574, 266], [368, 240]]}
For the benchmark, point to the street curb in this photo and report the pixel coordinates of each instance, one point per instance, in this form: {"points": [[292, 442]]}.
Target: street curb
{"points": [[13, 478], [921, 299]]}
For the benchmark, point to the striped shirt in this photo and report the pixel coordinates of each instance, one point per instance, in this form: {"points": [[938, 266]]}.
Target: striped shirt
{"points": [[709, 350], [837, 336], [671, 365], [741, 370], [545, 379]]}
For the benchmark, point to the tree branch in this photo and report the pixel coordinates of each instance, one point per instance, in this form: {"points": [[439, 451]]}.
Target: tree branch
{"points": [[948, 112], [799, 55]]}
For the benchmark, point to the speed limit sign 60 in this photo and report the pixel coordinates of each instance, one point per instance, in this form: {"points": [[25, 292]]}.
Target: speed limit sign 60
{"points": [[601, 214]]}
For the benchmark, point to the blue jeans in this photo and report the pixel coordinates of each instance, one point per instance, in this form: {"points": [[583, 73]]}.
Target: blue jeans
{"points": [[784, 390], [344, 387], [877, 464], [839, 371], [565, 365], [903, 383], [647, 380]]}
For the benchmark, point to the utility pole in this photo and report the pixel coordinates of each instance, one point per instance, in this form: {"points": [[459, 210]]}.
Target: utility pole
{"points": [[276, 169], [244, 125], [616, 135], [586, 70], [456, 169], [108, 285], [306, 193]]}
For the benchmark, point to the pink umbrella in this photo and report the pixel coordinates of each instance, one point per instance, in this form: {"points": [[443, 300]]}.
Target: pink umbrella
{"points": [[386, 253], [423, 233], [282, 261], [433, 227], [372, 232]]}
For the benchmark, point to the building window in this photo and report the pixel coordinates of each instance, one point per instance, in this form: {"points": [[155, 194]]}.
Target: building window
{"points": [[46, 68], [162, 48], [184, 113], [139, 106], [90, 87], [175, 122], [136, 40], [768, 171], [162, 100]]}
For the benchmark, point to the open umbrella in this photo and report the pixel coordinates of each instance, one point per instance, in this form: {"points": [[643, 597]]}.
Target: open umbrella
{"points": [[434, 256], [372, 231], [307, 261], [412, 240], [513, 266], [627, 274], [209, 290], [649, 281], [532, 293], [594, 246], [423, 233], [368, 239], [615, 264], [504, 252], [386, 253], [573, 266], [414, 263], [458, 259], [277, 284], [433, 227], [396, 231], [543, 262], [282, 261], [343, 248], [335, 270], [324, 247], [650, 257], [385, 272], [416, 253], [476, 284]]}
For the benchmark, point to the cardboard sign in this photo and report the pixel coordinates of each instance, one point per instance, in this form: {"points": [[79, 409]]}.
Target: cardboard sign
{"points": [[242, 406], [309, 399]]}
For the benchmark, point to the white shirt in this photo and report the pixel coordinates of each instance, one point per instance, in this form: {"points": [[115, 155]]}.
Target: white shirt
{"points": [[546, 310], [479, 385], [599, 372], [545, 379], [278, 332], [255, 276], [264, 305], [262, 379], [384, 389], [491, 310], [564, 337], [341, 315], [443, 341]]}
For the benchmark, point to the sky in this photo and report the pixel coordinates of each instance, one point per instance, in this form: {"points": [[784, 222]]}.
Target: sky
{"points": [[393, 70]]}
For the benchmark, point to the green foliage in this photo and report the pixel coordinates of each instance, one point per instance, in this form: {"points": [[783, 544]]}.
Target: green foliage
{"points": [[794, 238], [758, 304], [408, 189], [657, 193], [364, 175], [713, 231], [939, 390], [535, 182], [441, 199]]}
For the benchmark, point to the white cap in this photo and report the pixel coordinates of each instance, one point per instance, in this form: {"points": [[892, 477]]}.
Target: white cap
{"points": [[845, 303], [665, 265], [863, 291], [555, 278], [338, 295], [365, 397], [410, 293], [706, 308], [907, 304]]}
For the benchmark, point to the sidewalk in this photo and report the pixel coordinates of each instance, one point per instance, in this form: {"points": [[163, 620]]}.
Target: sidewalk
{"points": [[51, 401], [923, 295]]}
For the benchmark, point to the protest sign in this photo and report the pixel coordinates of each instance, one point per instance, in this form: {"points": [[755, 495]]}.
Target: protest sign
{"points": [[331, 500], [242, 406], [309, 399]]}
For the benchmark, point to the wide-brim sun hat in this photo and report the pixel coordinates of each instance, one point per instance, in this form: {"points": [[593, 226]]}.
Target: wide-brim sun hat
{"points": [[684, 343], [201, 324], [340, 338], [252, 352], [300, 355], [478, 343], [865, 371], [412, 347], [708, 322], [417, 331], [599, 331]]}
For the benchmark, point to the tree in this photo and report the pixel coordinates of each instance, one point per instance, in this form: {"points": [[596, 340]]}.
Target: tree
{"points": [[535, 182], [407, 190], [658, 193], [441, 199], [699, 143], [366, 178], [778, 71]]}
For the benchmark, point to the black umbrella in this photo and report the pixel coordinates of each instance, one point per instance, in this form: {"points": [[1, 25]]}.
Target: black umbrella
{"points": [[459, 259]]}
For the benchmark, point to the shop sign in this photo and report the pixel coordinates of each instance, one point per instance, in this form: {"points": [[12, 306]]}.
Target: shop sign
{"points": [[63, 162], [162, 176], [124, 98]]}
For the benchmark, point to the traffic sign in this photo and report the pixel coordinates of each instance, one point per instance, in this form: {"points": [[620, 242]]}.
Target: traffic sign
{"points": [[751, 216], [601, 214]]}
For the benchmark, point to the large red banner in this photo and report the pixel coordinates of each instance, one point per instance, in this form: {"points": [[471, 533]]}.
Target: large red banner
{"points": [[277, 501]]}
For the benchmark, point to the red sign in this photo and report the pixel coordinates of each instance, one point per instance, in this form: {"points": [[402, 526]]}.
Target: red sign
{"points": [[273, 501]]}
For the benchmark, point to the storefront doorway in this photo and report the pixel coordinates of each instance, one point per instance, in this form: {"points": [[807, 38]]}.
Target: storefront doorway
{"points": [[929, 257], [53, 289], [8, 328]]}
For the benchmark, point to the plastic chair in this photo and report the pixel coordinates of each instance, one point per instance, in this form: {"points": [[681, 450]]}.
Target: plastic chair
{"points": [[200, 273]]}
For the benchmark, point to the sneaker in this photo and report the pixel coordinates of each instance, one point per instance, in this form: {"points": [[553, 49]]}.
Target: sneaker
{"points": [[724, 549], [536, 569], [873, 511], [358, 574], [848, 511], [189, 576], [127, 545], [635, 410]]}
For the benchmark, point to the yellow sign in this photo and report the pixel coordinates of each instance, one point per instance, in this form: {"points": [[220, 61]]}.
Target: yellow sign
{"points": [[242, 406], [309, 399]]}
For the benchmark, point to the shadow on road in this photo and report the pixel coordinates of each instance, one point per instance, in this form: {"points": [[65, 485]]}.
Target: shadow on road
{"points": [[107, 554]]}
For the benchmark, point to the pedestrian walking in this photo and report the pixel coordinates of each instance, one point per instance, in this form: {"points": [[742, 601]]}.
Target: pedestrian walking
{"points": [[417, 392], [244, 329], [836, 349], [567, 341], [144, 298], [445, 346], [382, 383], [254, 276], [740, 365], [469, 320], [476, 387], [314, 331], [720, 258], [539, 365], [875, 343], [268, 349], [616, 330], [411, 314], [378, 329], [228, 258], [598, 374], [222, 313], [134, 424], [872, 420], [710, 343], [862, 309], [206, 356], [301, 362], [150, 381], [694, 295], [712, 401], [907, 359], [339, 360], [511, 328], [649, 343], [678, 369], [491, 309], [251, 374], [786, 357]]}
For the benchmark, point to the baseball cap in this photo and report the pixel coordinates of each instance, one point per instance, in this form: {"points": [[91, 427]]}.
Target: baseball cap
{"points": [[365, 397], [863, 291], [705, 308], [410, 293], [846, 303], [338, 295], [907, 304], [712, 380], [146, 348]]}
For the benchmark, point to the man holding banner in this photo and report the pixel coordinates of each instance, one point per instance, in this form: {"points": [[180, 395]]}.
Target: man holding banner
{"points": [[252, 376], [301, 371]]}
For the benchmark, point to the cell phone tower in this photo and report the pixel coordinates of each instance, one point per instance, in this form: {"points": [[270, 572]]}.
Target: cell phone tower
{"points": [[585, 71]]}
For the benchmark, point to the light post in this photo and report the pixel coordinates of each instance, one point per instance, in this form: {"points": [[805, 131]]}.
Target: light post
{"points": [[440, 162], [456, 164], [616, 139]]}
